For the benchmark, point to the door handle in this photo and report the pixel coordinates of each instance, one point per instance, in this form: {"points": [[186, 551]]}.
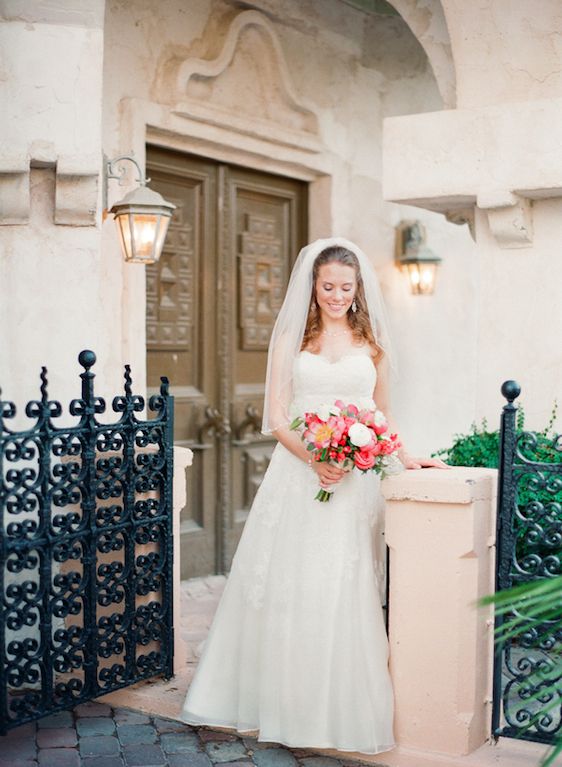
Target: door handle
{"points": [[215, 423], [248, 426]]}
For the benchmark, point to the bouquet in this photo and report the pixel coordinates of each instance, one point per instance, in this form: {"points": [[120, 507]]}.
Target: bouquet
{"points": [[350, 437]]}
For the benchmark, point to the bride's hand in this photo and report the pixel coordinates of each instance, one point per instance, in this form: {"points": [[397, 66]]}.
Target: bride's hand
{"points": [[418, 463], [327, 473]]}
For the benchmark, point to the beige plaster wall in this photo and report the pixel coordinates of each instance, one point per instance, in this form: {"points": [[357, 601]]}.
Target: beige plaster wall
{"points": [[349, 69], [513, 46], [520, 324], [52, 273]]}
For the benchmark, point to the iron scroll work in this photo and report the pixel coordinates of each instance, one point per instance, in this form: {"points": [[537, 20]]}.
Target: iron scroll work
{"points": [[529, 547], [85, 549]]}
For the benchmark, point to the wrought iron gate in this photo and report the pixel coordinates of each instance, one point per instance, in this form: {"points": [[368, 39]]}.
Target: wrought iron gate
{"points": [[85, 549], [529, 546]]}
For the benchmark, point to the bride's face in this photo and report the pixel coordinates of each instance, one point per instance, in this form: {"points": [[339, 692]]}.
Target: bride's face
{"points": [[335, 289]]}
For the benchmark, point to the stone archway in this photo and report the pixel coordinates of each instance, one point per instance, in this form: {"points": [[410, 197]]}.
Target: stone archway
{"points": [[429, 25]]}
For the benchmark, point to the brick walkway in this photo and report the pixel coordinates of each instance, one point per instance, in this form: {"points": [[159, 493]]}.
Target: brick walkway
{"points": [[96, 735], [107, 734]]}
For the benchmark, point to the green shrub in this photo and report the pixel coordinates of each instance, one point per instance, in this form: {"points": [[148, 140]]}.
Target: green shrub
{"points": [[537, 532], [479, 447]]}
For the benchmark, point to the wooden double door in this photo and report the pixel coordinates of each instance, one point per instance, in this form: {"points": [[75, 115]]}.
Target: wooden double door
{"points": [[211, 302]]}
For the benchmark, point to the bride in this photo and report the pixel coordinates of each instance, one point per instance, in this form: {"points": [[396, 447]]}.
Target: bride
{"points": [[297, 649]]}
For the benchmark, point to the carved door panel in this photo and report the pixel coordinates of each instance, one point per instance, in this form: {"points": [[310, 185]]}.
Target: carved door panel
{"points": [[181, 337], [268, 227], [211, 303]]}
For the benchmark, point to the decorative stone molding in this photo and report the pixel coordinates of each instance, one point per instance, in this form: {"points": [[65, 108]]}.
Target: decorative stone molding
{"points": [[76, 187], [462, 216], [509, 217], [275, 111], [76, 192], [14, 189]]}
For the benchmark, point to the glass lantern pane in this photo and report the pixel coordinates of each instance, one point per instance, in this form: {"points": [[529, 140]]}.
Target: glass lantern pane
{"points": [[427, 278], [144, 234], [125, 231], [161, 236], [414, 277]]}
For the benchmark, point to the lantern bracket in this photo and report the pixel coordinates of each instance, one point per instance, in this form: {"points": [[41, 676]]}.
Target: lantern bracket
{"points": [[114, 170]]}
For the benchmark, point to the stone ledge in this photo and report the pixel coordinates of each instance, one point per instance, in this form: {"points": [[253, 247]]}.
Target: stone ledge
{"points": [[457, 485], [454, 159]]}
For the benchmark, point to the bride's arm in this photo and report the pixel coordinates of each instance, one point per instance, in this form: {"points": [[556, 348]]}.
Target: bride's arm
{"points": [[279, 396], [381, 395]]}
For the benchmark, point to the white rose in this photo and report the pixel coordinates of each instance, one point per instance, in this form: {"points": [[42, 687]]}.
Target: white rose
{"points": [[359, 435], [365, 403], [335, 410], [392, 464], [380, 419], [323, 412]]}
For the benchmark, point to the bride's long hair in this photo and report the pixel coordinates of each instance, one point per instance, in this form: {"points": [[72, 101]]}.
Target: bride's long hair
{"points": [[359, 321]]}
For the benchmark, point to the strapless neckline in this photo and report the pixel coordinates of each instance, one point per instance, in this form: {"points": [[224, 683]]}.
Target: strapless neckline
{"points": [[340, 359], [318, 380]]}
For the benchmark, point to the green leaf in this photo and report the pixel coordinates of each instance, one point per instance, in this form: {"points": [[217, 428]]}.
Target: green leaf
{"points": [[557, 751]]}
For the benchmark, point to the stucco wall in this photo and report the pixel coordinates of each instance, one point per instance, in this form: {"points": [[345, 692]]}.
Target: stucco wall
{"points": [[52, 274]]}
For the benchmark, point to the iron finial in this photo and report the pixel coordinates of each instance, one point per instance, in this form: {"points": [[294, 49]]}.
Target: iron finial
{"points": [[510, 390], [87, 359]]}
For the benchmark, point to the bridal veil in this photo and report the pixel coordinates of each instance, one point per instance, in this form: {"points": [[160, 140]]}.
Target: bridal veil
{"points": [[288, 331]]}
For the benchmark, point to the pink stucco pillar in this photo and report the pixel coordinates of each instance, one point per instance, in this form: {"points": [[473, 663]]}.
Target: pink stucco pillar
{"points": [[183, 457], [440, 527]]}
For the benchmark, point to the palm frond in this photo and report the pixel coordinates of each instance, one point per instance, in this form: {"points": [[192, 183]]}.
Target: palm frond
{"points": [[527, 606]]}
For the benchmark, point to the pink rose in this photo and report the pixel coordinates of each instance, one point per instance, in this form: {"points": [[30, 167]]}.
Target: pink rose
{"points": [[366, 417], [364, 461], [376, 448]]}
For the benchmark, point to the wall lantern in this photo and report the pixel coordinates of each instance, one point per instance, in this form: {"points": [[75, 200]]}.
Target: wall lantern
{"points": [[414, 257], [142, 216]]}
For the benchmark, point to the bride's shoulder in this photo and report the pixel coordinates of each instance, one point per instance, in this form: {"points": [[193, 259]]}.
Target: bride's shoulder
{"points": [[369, 349], [312, 347]]}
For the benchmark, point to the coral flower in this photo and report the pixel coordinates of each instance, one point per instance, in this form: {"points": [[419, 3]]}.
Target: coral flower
{"points": [[321, 434]]}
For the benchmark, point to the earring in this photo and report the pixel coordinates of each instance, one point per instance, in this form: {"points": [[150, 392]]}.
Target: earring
{"points": [[354, 306]]}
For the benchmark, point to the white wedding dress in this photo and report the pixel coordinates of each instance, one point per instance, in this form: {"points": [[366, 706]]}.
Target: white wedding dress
{"points": [[298, 648]]}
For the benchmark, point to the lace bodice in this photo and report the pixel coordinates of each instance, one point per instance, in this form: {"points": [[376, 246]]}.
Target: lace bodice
{"points": [[318, 381]]}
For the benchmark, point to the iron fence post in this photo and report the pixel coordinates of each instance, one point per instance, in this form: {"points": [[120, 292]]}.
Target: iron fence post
{"points": [[169, 506], [88, 505], [4, 411], [504, 534]]}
